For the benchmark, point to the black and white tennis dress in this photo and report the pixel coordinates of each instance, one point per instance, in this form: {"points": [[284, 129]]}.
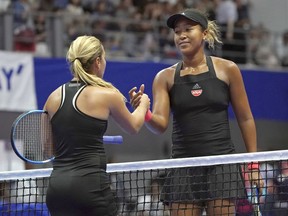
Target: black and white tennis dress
{"points": [[79, 184]]}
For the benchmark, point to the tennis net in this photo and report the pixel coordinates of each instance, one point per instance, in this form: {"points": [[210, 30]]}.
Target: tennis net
{"points": [[160, 187]]}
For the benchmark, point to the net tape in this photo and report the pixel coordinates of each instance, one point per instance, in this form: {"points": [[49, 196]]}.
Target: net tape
{"points": [[165, 163]]}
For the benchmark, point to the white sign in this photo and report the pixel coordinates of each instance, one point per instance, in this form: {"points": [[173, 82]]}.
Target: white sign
{"points": [[17, 86], [9, 161]]}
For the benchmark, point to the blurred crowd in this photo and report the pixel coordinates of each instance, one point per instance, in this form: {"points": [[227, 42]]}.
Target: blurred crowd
{"points": [[136, 30]]}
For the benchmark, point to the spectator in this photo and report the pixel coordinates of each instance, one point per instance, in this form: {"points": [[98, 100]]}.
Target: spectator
{"points": [[21, 10], [103, 8], [4, 5], [134, 32], [98, 29], [125, 9], [47, 6], [24, 34], [226, 16], [208, 6], [74, 29], [24, 39], [261, 50], [61, 4], [242, 25], [282, 189], [254, 36], [265, 55], [74, 7], [283, 49], [150, 204], [41, 48], [167, 49], [268, 173]]}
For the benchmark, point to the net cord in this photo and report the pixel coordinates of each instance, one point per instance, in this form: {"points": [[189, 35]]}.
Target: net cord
{"points": [[162, 164]]}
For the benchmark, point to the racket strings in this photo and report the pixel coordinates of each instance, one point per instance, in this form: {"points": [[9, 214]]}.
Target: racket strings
{"points": [[33, 135]]}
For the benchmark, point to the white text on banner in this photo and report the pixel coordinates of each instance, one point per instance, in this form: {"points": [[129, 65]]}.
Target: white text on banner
{"points": [[17, 86]]}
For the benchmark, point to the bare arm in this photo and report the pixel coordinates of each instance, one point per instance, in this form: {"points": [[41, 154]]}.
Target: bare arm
{"points": [[161, 102], [102, 103], [242, 109], [245, 119], [52, 103], [129, 122]]}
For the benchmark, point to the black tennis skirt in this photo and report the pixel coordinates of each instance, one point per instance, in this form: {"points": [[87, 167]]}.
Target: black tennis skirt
{"points": [[194, 184], [78, 196]]}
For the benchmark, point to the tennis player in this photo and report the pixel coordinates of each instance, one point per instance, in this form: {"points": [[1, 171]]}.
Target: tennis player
{"points": [[79, 110], [199, 90]]}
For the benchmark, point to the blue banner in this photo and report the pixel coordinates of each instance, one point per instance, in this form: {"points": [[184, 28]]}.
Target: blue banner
{"points": [[267, 91]]}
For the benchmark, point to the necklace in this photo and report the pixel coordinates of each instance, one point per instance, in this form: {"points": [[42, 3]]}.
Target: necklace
{"points": [[193, 70]]}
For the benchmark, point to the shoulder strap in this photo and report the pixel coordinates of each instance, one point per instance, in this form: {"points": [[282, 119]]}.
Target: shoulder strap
{"points": [[177, 71], [62, 95], [69, 91], [210, 66]]}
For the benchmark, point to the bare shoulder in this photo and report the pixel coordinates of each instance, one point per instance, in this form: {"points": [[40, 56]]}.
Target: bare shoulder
{"points": [[166, 75], [106, 94], [55, 95], [225, 69], [167, 71], [223, 64], [54, 100]]}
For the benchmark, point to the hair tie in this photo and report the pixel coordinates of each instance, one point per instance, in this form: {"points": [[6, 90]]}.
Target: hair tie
{"points": [[75, 59]]}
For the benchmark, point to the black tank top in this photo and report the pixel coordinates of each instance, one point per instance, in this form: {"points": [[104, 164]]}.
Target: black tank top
{"points": [[78, 137], [199, 104]]}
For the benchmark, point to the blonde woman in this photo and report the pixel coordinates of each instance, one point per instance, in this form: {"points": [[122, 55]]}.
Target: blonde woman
{"points": [[79, 111]]}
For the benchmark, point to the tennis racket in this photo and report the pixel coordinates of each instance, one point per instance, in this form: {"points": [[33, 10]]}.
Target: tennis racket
{"points": [[31, 137], [255, 200]]}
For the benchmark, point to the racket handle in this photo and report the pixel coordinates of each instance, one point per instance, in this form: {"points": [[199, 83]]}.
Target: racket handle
{"points": [[254, 195], [112, 139], [255, 200]]}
